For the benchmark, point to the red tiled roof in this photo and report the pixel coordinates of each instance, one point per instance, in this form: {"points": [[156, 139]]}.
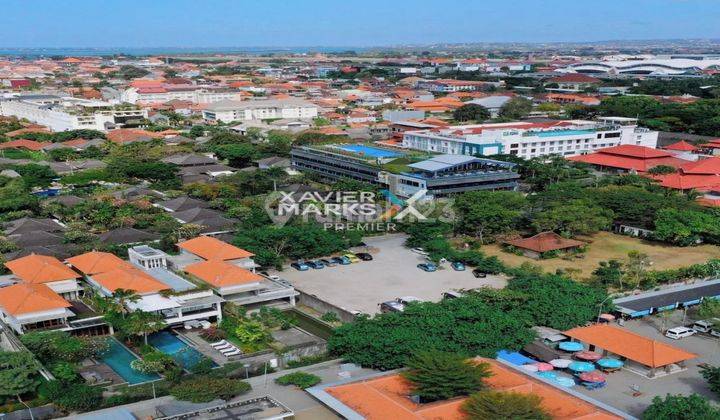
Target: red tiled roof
{"points": [[544, 242], [630, 157], [24, 144], [36, 268], [27, 298], [710, 166], [681, 146]]}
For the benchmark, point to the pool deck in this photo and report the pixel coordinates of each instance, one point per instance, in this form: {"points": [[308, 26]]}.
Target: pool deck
{"points": [[192, 338]]}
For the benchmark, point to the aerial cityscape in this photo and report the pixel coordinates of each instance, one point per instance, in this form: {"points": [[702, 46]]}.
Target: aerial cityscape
{"points": [[361, 210]]}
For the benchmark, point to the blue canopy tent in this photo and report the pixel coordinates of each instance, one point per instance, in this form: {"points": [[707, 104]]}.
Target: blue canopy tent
{"points": [[514, 357], [581, 367]]}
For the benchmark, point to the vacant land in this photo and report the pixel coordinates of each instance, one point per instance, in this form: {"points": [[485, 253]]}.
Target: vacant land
{"points": [[393, 273], [605, 246]]}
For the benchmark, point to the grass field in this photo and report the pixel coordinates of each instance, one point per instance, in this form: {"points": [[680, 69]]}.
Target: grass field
{"points": [[605, 246]]}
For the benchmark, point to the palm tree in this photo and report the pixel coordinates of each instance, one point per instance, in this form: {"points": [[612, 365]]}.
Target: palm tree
{"points": [[122, 297], [144, 323]]}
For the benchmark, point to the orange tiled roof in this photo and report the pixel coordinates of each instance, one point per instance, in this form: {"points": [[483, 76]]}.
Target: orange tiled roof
{"points": [[24, 144], [95, 262], [125, 135], [630, 345], [26, 298], [545, 241], [387, 397], [221, 274], [36, 268], [129, 278], [210, 248], [682, 146]]}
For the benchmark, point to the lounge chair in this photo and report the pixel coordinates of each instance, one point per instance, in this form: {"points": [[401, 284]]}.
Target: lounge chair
{"points": [[232, 353], [226, 347], [220, 343], [229, 350]]}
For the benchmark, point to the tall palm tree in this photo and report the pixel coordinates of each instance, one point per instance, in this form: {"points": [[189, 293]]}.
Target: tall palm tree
{"points": [[144, 323], [124, 296]]}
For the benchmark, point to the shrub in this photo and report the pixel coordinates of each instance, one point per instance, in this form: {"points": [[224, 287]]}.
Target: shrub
{"points": [[213, 334], [437, 375], [202, 367], [204, 389], [330, 317], [72, 397], [496, 405], [308, 360], [300, 379], [64, 372]]}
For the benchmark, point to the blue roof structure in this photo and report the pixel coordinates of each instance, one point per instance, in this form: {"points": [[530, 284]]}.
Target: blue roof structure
{"points": [[514, 357]]}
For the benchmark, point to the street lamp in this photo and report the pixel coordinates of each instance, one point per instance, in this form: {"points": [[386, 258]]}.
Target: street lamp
{"points": [[600, 306]]}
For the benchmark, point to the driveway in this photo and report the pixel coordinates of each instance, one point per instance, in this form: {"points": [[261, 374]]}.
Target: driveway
{"points": [[392, 273]]}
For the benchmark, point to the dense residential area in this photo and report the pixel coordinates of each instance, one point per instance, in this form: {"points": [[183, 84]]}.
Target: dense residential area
{"points": [[423, 230]]}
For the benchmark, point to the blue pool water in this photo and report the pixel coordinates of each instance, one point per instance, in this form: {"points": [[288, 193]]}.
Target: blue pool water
{"points": [[370, 151], [563, 133], [183, 354], [118, 358]]}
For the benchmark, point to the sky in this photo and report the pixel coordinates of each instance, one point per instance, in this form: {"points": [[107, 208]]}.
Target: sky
{"points": [[332, 23]]}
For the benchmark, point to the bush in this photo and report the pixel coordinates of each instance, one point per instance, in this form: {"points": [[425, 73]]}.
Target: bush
{"points": [[72, 397], [496, 405], [300, 379], [308, 360], [437, 375], [330, 317], [203, 389], [213, 334], [203, 367]]}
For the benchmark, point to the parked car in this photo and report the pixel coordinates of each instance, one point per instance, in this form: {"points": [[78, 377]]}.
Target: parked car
{"points": [[429, 267], [300, 266], [317, 265], [407, 299], [707, 326], [328, 262], [479, 274], [679, 332], [391, 306], [420, 251], [453, 294], [352, 257], [340, 260], [364, 256], [457, 266]]}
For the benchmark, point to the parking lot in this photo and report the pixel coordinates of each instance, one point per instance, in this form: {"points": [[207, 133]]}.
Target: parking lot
{"points": [[618, 392], [392, 273]]}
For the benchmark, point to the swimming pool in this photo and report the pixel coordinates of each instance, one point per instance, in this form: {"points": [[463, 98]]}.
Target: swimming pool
{"points": [[184, 355], [118, 357], [370, 151]]}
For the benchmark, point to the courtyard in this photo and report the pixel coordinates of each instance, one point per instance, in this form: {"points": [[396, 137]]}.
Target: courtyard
{"points": [[392, 273], [604, 246]]}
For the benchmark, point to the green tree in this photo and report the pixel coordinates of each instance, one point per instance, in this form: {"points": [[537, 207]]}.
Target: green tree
{"points": [[687, 227], [630, 106], [471, 112], [499, 405], [709, 308], [636, 267], [437, 375], [302, 380], [574, 217], [205, 389], [18, 373], [712, 375], [483, 213], [238, 155], [516, 108], [673, 407], [143, 323], [609, 273], [122, 297]]}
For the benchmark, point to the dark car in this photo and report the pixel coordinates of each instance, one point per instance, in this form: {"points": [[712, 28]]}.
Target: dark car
{"points": [[300, 266], [364, 256], [317, 265], [479, 274], [328, 262]]}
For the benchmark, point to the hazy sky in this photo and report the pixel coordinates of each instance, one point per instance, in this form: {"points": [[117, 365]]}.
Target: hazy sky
{"points": [[242, 23]]}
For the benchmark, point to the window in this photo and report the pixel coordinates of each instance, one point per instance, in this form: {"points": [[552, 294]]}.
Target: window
{"points": [[612, 135]]}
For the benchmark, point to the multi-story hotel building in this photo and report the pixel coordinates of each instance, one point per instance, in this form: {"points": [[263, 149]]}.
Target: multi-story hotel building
{"points": [[531, 139]]}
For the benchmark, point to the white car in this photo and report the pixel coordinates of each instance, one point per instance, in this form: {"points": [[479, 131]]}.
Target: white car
{"points": [[420, 251], [679, 332]]}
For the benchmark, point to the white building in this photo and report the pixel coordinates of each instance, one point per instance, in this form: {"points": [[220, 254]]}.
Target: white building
{"points": [[191, 93], [529, 139], [262, 109], [661, 65], [67, 113]]}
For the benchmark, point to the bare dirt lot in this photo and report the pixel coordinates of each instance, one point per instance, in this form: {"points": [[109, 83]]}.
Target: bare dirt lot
{"points": [[606, 246], [392, 273]]}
